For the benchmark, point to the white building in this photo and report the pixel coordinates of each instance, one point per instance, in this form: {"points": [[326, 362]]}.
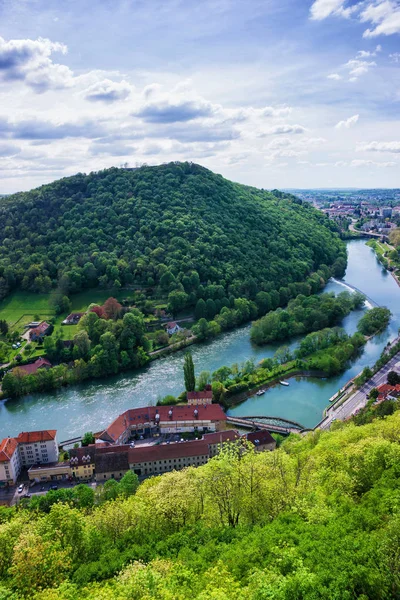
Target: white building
{"points": [[10, 461], [38, 447], [29, 448]]}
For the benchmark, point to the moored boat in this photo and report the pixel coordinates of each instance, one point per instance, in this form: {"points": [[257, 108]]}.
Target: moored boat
{"points": [[284, 383]]}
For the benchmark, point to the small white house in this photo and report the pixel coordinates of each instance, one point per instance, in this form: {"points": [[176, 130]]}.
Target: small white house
{"points": [[173, 327]]}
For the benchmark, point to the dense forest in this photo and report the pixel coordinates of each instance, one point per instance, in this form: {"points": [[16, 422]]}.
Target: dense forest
{"points": [[316, 519], [305, 314], [177, 228]]}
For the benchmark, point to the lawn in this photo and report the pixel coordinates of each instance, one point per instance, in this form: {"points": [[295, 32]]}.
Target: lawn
{"points": [[81, 301], [19, 308]]}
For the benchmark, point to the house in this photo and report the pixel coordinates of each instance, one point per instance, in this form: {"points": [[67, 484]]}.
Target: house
{"points": [[82, 462], [388, 392], [10, 462], [38, 333], [262, 440], [56, 471], [32, 368], [29, 448], [164, 419], [172, 327], [203, 397], [73, 318], [38, 447]]}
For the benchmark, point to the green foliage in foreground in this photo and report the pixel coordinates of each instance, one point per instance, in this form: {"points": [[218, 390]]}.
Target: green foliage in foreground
{"points": [[376, 319], [304, 315], [179, 227], [316, 519]]}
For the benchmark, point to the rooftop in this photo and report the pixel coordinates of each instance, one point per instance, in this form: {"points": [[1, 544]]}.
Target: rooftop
{"points": [[31, 368], [140, 416], [7, 449], [167, 451], [31, 437]]}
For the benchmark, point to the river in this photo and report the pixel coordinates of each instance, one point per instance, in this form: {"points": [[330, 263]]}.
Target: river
{"points": [[92, 405]]}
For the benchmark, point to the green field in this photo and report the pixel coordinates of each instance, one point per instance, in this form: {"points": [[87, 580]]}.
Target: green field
{"points": [[19, 308]]}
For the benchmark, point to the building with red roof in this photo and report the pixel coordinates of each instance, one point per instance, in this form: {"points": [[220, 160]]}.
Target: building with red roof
{"points": [[203, 397], [388, 392], [32, 368], [10, 463], [164, 419], [39, 332], [38, 447]]}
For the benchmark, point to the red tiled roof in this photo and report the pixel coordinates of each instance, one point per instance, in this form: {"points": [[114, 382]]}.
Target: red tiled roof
{"points": [[199, 395], [171, 325], [40, 329], [139, 416], [7, 449], [229, 435], [385, 388], [29, 437], [31, 368], [167, 451]]}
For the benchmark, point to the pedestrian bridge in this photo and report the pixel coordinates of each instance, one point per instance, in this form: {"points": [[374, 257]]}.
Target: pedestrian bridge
{"points": [[272, 424], [70, 442]]}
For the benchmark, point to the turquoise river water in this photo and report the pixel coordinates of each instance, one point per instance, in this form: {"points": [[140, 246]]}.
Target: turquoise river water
{"points": [[92, 405]]}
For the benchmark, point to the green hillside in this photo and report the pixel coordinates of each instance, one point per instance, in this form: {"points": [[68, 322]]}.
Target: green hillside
{"points": [[316, 519], [171, 227]]}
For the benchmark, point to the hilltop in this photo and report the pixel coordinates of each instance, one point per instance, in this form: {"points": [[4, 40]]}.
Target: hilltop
{"points": [[176, 226]]}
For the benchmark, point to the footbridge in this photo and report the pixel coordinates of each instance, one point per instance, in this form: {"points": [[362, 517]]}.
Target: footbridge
{"points": [[70, 442], [272, 424]]}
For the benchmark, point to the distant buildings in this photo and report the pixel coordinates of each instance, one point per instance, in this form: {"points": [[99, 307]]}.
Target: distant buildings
{"points": [[172, 328]]}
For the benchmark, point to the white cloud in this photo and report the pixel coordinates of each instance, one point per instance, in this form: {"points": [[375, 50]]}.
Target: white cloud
{"points": [[108, 91], [358, 67], [385, 15], [395, 57], [30, 61], [334, 76], [321, 9], [370, 163], [347, 123], [368, 53], [393, 147], [284, 129]]}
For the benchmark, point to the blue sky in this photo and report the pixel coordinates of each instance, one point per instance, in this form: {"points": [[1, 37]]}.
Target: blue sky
{"points": [[272, 93]]}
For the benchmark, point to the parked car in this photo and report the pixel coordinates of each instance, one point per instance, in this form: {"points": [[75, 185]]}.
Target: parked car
{"points": [[27, 496], [21, 488], [54, 487]]}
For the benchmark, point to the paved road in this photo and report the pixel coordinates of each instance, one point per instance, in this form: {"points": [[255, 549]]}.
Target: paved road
{"points": [[359, 398]]}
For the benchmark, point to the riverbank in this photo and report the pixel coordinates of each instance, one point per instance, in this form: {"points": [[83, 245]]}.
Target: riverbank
{"points": [[91, 405], [380, 253]]}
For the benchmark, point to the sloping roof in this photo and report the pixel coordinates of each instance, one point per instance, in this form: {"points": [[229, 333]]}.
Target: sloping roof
{"points": [[140, 416], [40, 329], [262, 436], [30, 437], [84, 451], [385, 388], [112, 462], [31, 368], [7, 449], [230, 435], [199, 395], [168, 451]]}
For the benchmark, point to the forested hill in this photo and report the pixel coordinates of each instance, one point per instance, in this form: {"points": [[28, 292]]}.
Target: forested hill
{"points": [[177, 224]]}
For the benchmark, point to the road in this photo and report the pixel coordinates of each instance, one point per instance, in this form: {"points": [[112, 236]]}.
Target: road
{"points": [[359, 398]]}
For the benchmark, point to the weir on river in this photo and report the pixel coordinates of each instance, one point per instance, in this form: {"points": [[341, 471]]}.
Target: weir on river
{"points": [[92, 405]]}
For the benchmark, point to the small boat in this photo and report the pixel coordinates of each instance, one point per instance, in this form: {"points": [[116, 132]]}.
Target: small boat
{"points": [[283, 383], [260, 392]]}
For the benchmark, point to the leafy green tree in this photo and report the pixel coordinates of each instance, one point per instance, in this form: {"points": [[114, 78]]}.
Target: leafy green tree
{"points": [[88, 438], [176, 301], [128, 485], [200, 310], [188, 372]]}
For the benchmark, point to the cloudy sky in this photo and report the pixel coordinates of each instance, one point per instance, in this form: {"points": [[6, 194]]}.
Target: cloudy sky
{"points": [[273, 93]]}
